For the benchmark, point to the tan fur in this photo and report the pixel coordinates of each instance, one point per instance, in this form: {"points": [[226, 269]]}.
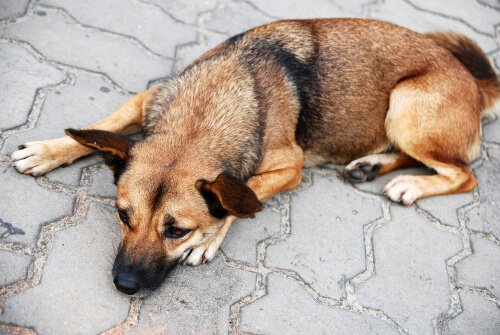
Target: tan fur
{"points": [[40, 157], [265, 103]]}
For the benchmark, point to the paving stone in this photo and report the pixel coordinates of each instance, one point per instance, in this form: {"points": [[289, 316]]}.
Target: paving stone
{"points": [[495, 58], [76, 294], [234, 17], [484, 218], [61, 40], [377, 185], [287, 308], [444, 208], [102, 184], [492, 4], [195, 300], [326, 245], [24, 206], [483, 20], [90, 98], [10, 9], [481, 268], [479, 316], [242, 239], [403, 13], [13, 266], [185, 10], [411, 282], [188, 53], [491, 132], [21, 72], [160, 33], [304, 9]]}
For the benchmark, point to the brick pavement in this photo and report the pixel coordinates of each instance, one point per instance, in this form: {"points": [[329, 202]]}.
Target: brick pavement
{"points": [[328, 258]]}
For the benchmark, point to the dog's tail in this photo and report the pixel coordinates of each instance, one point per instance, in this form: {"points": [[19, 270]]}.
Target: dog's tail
{"points": [[469, 53]]}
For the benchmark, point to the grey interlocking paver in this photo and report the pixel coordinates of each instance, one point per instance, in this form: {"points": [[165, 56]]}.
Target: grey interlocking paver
{"points": [[492, 132], [10, 9], [405, 13], [189, 52], [330, 257], [102, 184], [21, 71], [186, 10], [288, 309], [411, 281], [485, 217], [303, 8], [234, 17], [484, 19], [326, 246], [481, 268], [58, 38], [441, 208], [445, 208], [24, 206], [160, 32], [14, 266], [377, 185], [479, 316], [87, 100], [75, 294], [242, 239], [196, 300]]}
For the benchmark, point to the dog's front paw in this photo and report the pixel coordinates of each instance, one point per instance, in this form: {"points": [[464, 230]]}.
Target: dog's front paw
{"points": [[199, 255], [40, 157]]}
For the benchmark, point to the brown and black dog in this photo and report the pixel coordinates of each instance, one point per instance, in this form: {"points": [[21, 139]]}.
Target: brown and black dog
{"points": [[237, 126]]}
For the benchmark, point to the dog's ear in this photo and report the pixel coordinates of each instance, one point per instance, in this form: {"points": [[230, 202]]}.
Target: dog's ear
{"points": [[229, 195], [115, 148]]}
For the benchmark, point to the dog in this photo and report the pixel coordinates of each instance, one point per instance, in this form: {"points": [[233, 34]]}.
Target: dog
{"points": [[237, 126]]}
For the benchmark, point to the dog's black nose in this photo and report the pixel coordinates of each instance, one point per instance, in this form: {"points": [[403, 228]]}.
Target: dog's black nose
{"points": [[126, 283]]}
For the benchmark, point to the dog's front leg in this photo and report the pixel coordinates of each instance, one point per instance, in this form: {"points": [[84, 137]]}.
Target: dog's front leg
{"points": [[39, 157], [206, 251], [280, 171]]}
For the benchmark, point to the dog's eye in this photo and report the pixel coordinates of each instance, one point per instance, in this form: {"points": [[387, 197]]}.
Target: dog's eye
{"points": [[174, 232], [122, 214]]}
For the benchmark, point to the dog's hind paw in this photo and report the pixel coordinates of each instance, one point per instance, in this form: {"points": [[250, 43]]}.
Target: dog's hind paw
{"points": [[358, 172]]}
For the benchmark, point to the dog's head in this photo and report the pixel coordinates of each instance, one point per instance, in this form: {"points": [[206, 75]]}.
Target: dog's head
{"points": [[166, 205]]}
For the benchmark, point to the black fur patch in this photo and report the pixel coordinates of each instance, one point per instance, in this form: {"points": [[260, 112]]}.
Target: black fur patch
{"points": [[214, 206], [234, 39], [158, 195], [117, 165], [305, 77]]}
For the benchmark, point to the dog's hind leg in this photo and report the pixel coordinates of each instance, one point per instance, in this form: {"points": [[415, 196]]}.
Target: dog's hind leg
{"points": [[368, 167], [435, 120], [39, 157]]}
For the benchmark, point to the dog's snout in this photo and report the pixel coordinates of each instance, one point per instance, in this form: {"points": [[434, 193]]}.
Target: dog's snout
{"points": [[126, 283]]}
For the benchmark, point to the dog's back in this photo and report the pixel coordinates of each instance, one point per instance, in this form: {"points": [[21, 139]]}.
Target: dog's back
{"points": [[330, 78]]}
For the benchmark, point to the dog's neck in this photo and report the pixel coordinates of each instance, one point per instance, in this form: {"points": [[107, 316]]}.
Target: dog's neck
{"points": [[199, 121]]}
